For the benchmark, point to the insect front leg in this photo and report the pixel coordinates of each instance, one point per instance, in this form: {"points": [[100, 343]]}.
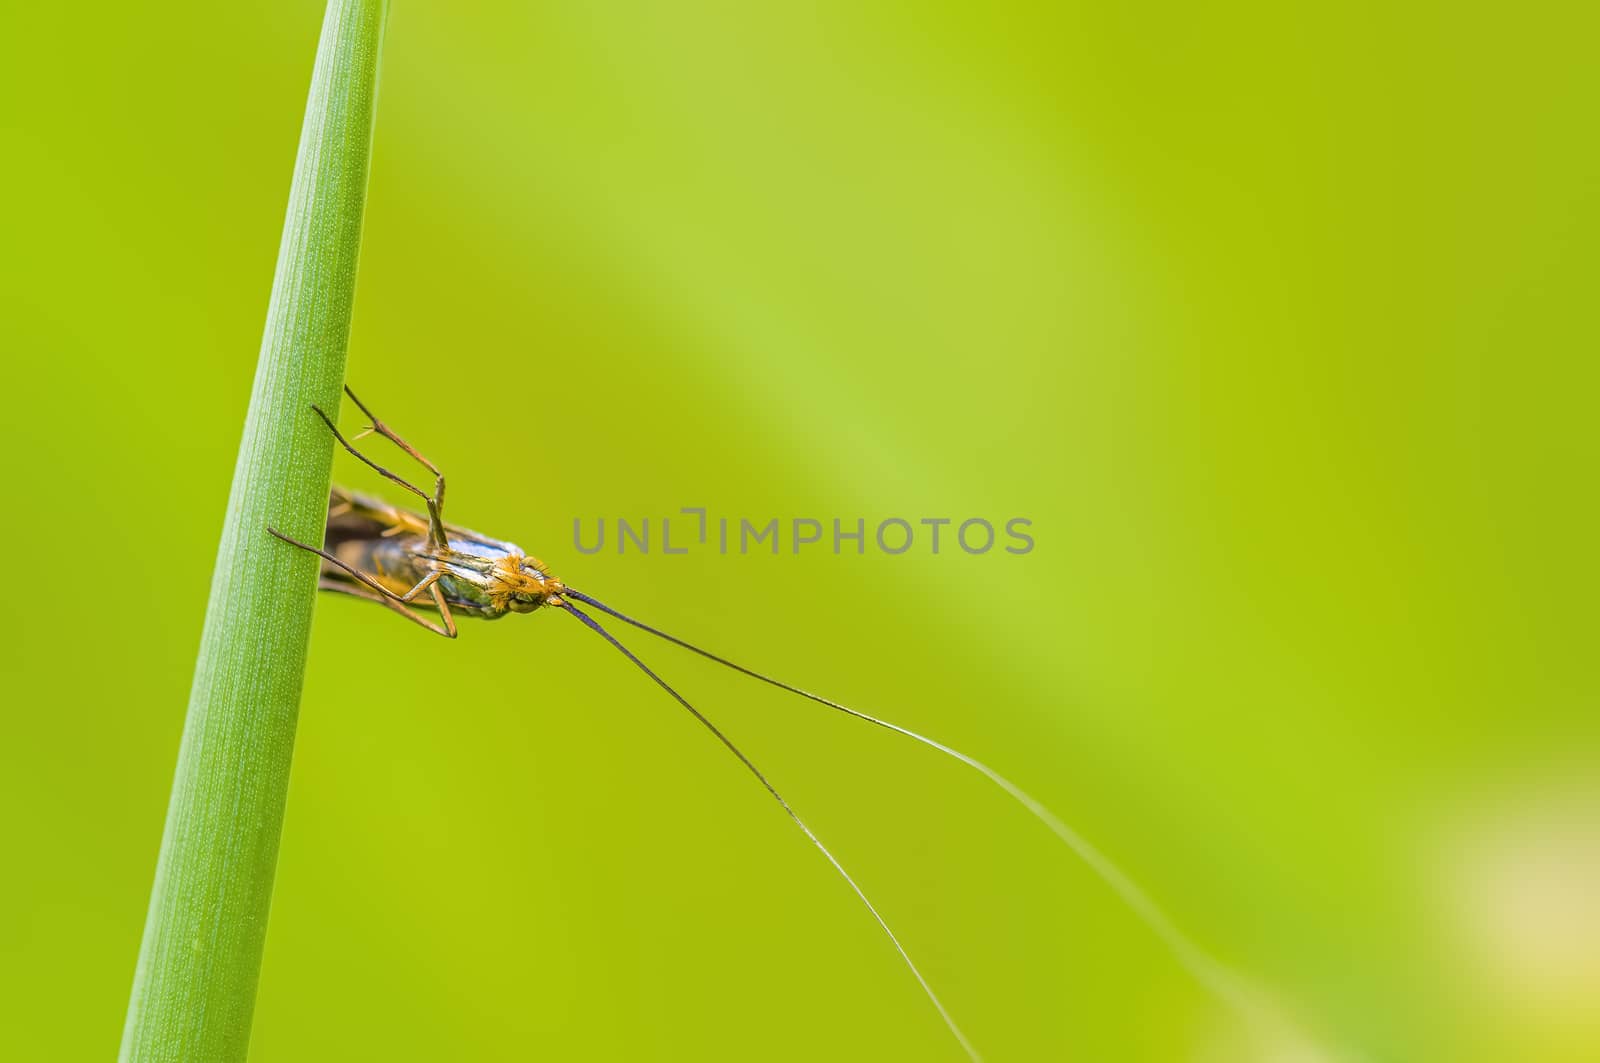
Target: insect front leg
{"points": [[444, 611], [423, 584], [435, 501]]}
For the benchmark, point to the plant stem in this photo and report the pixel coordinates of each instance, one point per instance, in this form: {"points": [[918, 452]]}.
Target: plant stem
{"points": [[195, 986]]}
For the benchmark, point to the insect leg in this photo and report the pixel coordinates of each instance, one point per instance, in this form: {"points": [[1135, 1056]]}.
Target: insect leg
{"points": [[435, 501], [430, 583], [444, 611], [410, 614], [436, 530], [423, 584], [355, 573], [383, 594]]}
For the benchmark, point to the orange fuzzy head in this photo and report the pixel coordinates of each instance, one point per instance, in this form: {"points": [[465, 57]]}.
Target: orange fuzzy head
{"points": [[521, 584]]}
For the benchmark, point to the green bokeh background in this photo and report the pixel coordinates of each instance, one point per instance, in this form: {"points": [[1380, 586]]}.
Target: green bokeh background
{"points": [[1278, 323]]}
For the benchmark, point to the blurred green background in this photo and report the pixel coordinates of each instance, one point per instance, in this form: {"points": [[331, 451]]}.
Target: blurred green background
{"points": [[1278, 322]]}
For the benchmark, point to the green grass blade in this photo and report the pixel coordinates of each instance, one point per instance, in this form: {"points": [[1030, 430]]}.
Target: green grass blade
{"points": [[195, 986]]}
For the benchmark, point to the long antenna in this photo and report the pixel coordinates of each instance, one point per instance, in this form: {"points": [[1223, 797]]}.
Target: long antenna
{"points": [[1208, 971], [594, 626]]}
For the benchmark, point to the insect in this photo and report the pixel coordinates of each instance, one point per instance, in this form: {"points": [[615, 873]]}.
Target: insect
{"points": [[409, 561]]}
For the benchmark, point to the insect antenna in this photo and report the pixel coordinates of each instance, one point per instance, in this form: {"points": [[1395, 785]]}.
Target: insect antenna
{"points": [[594, 626], [1205, 969]]}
